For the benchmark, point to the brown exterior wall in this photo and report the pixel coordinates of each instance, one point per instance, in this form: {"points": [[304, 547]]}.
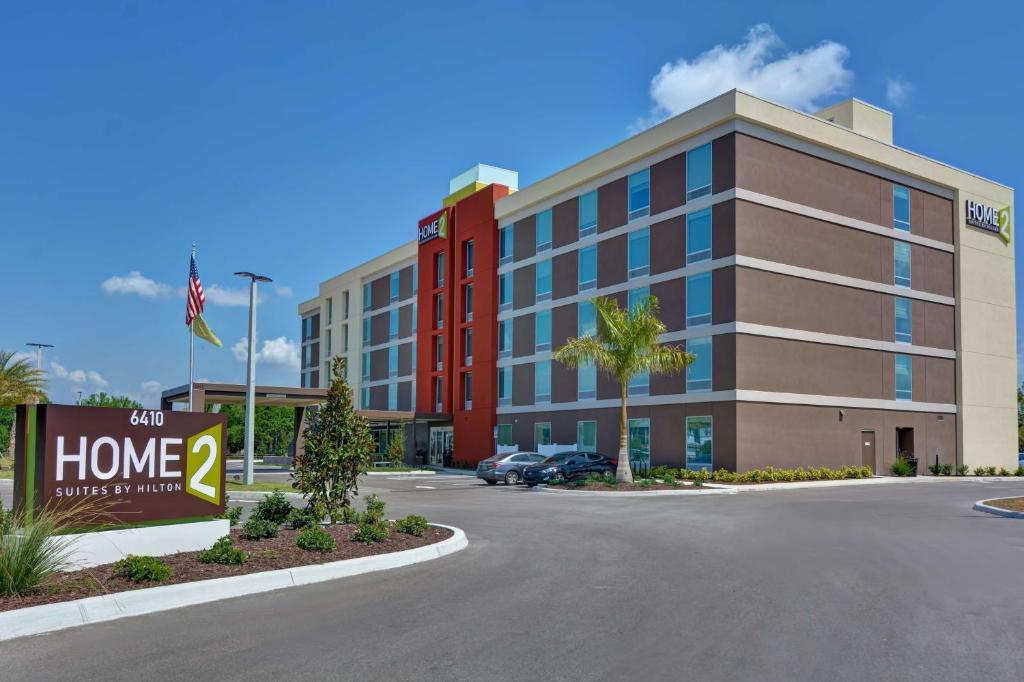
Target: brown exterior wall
{"points": [[524, 287], [668, 245], [524, 238], [612, 204], [565, 223], [668, 184], [524, 337], [564, 274], [612, 255]]}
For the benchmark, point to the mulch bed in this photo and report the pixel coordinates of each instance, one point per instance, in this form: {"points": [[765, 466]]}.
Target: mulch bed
{"points": [[1009, 503], [626, 487], [264, 555]]}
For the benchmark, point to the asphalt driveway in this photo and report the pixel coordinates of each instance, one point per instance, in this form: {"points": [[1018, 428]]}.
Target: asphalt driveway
{"points": [[885, 582]]}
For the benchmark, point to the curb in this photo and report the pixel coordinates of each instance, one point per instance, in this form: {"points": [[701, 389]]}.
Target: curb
{"points": [[803, 485], [252, 496], [36, 620], [632, 493], [996, 511], [419, 472]]}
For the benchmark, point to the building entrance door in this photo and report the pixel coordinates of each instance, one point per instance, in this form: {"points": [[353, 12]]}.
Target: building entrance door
{"points": [[867, 450], [441, 441]]}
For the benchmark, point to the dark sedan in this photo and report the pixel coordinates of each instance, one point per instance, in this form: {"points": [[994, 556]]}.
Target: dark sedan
{"points": [[568, 466], [508, 467]]}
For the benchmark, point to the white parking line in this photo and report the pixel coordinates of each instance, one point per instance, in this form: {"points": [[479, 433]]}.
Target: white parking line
{"points": [[425, 487]]}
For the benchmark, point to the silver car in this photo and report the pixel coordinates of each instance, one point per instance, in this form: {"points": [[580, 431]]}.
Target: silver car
{"points": [[508, 467]]}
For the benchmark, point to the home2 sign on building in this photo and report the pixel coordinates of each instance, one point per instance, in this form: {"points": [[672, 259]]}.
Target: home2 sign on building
{"points": [[138, 465], [988, 218], [435, 226]]}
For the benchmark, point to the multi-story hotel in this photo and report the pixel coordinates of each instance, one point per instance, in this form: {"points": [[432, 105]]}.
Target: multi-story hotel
{"points": [[846, 300]]}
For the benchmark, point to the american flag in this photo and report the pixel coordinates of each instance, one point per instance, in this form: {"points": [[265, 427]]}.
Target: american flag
{"points": [[196, 297]]}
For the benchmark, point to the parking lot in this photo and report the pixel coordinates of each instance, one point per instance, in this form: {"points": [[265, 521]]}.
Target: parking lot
{"points": [[899, 581]]}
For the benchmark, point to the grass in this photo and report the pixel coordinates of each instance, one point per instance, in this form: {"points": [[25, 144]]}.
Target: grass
{"points": [[260, 487], [6, 473]]}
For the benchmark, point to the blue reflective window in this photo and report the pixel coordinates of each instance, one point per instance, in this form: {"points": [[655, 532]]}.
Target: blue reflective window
{"points": [[544, 230], [542, 330], [904, 377], [586, 435], [588, 268], [698, 236], [586, 319], [543, 280], [393, 361], [586, 382], [392, 397], [542, 382], [904, 320], [698, 172], [698, 373], [504, 338], [366, 331], [699, 432], [504, 385], [901, 208], [505, 291], [640, 193], [637, 296], [639, 441], [394, 286], [698, 300], [393, 323], [588, 213], [639, 253], [366, 366], [367, 297], [505, 244], [901, 264]]}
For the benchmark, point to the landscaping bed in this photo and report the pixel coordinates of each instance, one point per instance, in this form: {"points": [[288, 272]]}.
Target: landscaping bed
{"points": [[1015, 504], [591, 485], [268, 554]]}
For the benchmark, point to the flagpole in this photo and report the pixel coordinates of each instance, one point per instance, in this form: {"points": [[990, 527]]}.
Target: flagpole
{"points": [[191, 346]]}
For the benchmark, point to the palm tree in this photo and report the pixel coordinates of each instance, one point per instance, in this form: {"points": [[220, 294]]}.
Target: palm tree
{"points": [[20, 382], [626, 345]]}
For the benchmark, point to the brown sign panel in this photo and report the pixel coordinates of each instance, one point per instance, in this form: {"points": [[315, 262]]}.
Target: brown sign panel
{"points": [[138, 465]]}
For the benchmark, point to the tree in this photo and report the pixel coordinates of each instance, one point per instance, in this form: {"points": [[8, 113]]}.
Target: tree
{"points": [[20, 382], [101, 399], [338, 448], [272, 431], [626, 345], [396, 447]]}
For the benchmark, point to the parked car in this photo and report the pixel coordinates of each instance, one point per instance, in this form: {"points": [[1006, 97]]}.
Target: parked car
{"points": [[568, 465], [508, 467]]}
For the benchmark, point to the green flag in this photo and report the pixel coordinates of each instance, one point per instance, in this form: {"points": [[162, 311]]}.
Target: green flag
{"points": [[203, 331]]}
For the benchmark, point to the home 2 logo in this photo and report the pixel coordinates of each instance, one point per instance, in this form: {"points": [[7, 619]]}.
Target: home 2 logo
{"points": [[990, 219], [202, 465], [435, 227]]}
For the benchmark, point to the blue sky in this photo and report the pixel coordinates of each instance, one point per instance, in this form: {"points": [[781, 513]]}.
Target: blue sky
{"points": [[300, 139]]}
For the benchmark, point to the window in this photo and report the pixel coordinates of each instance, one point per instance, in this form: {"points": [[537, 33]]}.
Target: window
{"points": [[415, 277], [698, 236], [414, 316], [438, 394], [698, 172], [904, 377], [698, 443], [901, 208], [344, 338], [542, 330], [637, 296], [586, 382], [468, 259], [393, 361], [439, 270], [505, 291], [366, 366], [365, 398], [330, 310], [504, 434], [328, 342], [392, 397], [504, 386], [904, 321], [366, 331], [467, 347], [543, 280], [394, 286], [307, 328], [640, 194], [344, 305], [588, 213], [586, 316], [639, 384], [542, 433], [586, 436], [640, 442], [412, 356], [588, 268], [698, 373], [639, 253], [439, 352], [467, 390], [367, 297], [305, 380], [544, 230], [393, 323], [901, 264], [505, 244], [468, 313], [439, 311], [542, 382], [698, 300], [504, 338]]}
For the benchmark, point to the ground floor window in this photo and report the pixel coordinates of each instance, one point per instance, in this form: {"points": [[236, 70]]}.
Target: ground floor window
{"points": [[698, 443], [640, 442], [542, 433], [504, 434], [586, 436]]}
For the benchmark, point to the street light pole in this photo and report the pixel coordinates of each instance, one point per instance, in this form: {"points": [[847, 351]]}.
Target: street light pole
{"points": [[250, 377], [39, 352]]}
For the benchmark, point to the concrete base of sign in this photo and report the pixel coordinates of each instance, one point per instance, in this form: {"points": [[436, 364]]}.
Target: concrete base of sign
{"points": [[108, 546]]}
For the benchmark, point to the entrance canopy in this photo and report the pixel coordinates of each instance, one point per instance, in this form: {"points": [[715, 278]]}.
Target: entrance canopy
{"points": [[285, 396]]}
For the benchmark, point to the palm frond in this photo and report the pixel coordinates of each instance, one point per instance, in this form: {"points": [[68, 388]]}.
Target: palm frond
{"points": [[20, 382]]}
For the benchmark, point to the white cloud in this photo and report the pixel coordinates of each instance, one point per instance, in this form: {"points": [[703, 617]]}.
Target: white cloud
{"points": [[757, 65], [897, 91], [79, 377], [135, 284], [280, 353], [223, 296], [283, 292]]}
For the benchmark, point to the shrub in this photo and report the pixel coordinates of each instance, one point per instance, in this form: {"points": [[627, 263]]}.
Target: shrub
{"points": [[349, 515], [259, 529], [371, 532], [374, 509], [274, 508], [990, 471], [947, 469], [233, 515], [412, 525], [668, 478], [303, 518], [901, 467], [645, 482], [979, 471], [1004, 472], [314, 539], [223, 552], [936, 468], [395, 453], [32, 552], [142, 569], [1019, 471], [962, 470]]}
